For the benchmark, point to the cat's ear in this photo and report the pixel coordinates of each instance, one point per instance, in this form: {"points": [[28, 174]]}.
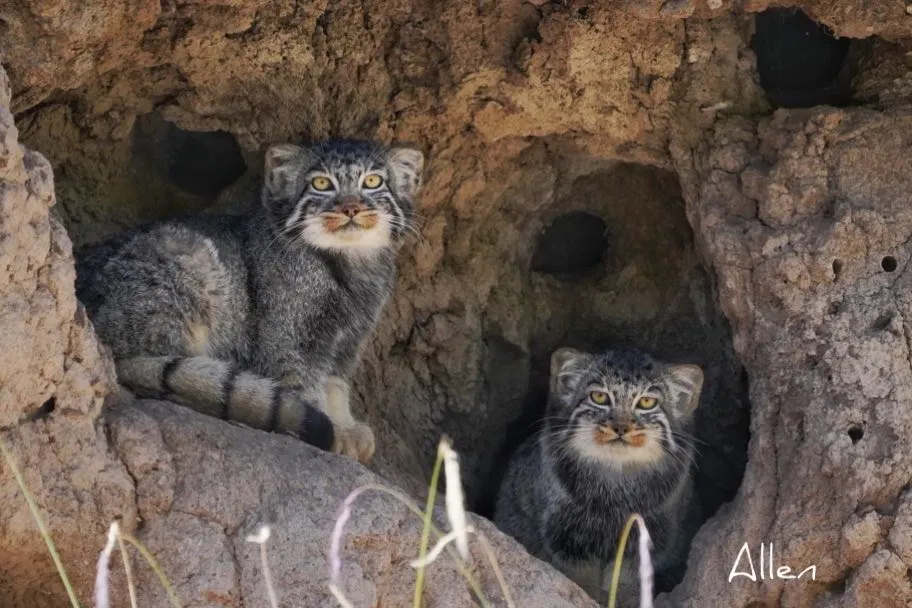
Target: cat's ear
{"points": [[566, 364], [406, 166], [685, 382], [282, 166]]}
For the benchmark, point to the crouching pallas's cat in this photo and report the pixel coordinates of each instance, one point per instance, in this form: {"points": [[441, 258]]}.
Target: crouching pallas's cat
{"points": [[259, 318], [616, 441]]}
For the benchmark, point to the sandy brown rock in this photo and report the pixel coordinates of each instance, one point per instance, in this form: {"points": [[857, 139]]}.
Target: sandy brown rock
{"points": [[46, 345], [52, 381], [51, 46], [233, 480], [815, 285]]}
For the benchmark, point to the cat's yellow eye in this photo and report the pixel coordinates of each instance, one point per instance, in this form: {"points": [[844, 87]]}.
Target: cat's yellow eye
{"points": [[321, 183], [598, 397], [646, 403], [373, 181]]}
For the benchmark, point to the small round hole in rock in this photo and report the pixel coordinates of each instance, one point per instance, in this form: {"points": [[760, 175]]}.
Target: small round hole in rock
{"points": [[888, 263], [573, 243], [856, 433], [800, 62]]}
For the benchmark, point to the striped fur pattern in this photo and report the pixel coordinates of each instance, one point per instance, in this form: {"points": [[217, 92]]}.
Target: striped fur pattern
{"points": [[223, 390], [617, 440], [353, 171], [260, 318]]}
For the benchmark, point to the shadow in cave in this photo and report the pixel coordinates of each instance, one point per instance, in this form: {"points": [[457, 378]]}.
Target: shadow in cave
{"points": [[199, 163], [616, 267], [800, 62]]}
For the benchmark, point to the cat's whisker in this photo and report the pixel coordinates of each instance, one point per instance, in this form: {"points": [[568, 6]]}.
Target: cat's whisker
{"points": [[686, 441], [408, 227]]}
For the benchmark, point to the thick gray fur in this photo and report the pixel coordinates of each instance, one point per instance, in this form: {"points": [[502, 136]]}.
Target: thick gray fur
{"points": [[260, 317], [566, 496]]}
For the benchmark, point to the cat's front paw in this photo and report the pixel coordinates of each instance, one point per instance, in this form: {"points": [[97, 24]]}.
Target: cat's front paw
{"points": [[355, 440]]}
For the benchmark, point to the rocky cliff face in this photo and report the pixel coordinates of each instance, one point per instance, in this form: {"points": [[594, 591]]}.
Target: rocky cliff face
{"points": [[768, 247]]}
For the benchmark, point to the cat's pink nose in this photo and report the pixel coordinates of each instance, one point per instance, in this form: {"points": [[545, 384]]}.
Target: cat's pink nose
{"points": [[351, 207], [621, 427]]}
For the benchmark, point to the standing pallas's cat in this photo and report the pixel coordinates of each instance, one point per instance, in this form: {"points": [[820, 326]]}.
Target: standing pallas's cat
{"points": [[259, 318]]}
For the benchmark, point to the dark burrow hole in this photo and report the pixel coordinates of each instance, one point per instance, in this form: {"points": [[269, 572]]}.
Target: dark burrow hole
{"points": [[888, 263], [205, 163], [882, 322], [800, 62], [837, 269], [644, 291], [836, 588], [201, 163], [47, 408], [572, 244], [855, 433]]}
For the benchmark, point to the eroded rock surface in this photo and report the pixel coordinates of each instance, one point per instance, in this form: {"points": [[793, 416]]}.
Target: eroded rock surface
{"points": [[52, 381], [805, 219], [203, 487]]}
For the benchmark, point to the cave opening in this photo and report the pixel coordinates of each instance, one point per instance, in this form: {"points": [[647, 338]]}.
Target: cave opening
{"points": [[572, 244], [800, 62], [616, 266], [152, 169], [200, 163], [630, 277]]}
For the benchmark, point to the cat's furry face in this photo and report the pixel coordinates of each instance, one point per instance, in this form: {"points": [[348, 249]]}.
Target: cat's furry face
{"points": [[342, 195], [620, 408]]}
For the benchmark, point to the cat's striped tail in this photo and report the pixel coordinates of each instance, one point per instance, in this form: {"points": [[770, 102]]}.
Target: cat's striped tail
{"points": [[222, 390]]}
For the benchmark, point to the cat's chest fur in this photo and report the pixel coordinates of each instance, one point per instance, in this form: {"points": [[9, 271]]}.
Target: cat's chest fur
{"points": [[592, 506], [322, 290]]}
